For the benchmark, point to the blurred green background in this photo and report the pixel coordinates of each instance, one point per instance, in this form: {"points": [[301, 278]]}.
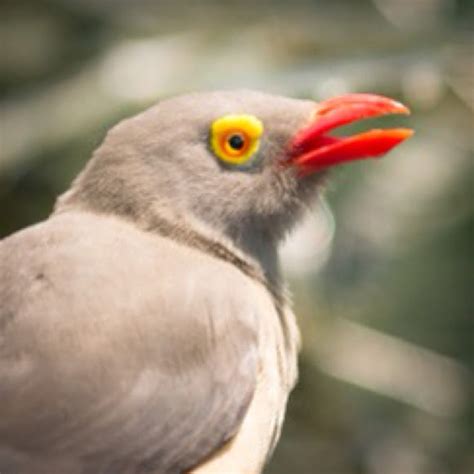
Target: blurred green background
{"points": [[382, 271]]}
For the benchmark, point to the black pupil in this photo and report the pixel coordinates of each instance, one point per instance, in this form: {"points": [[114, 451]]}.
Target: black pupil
{"points": [[236, 142]]}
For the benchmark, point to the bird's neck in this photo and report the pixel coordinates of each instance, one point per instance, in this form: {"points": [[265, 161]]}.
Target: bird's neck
{"points": [[250, 250], [257, 261], [255, 256], [264, 251]]}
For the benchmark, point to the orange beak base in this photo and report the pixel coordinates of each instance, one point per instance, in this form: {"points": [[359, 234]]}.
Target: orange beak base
{"points": [[312, 149]]}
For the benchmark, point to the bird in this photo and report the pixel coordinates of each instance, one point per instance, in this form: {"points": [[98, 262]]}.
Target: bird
{"points": [[145, 326]]}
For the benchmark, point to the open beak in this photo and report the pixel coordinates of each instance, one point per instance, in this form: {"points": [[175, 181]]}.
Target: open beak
{"points": [[312, 149]]}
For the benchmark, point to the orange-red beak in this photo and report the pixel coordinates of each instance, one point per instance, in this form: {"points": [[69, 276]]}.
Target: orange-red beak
{"points": [[312, 149]]}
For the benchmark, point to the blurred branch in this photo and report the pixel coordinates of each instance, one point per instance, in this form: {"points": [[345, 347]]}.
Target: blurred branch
{"points": [[392, 367], [77, 105]]}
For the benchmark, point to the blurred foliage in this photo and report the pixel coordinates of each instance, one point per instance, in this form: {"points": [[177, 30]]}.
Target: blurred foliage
{"points": [[386, 305]]}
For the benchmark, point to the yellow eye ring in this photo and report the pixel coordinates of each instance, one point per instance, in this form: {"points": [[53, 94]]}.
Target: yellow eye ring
{"points": [[235, 138]]}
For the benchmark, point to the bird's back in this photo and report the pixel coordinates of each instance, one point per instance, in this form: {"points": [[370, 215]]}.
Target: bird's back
{"points": [[114, 356]]}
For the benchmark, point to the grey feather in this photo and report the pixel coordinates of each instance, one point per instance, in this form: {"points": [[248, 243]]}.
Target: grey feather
{"points": [[120, 378]]}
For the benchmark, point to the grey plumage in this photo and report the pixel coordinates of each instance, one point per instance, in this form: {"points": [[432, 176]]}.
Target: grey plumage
{"points": [[96, 367], [145, 322]]}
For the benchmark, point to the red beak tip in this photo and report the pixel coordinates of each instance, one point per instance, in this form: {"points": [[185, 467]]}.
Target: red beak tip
{"points": [[402, 133], [401, 109]]}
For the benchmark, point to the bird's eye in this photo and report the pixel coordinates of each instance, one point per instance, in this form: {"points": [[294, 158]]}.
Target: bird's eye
{"points": [[235, 138]]}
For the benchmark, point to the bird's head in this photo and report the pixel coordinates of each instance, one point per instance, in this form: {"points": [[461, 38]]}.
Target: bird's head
{"points": [[242, 163]]}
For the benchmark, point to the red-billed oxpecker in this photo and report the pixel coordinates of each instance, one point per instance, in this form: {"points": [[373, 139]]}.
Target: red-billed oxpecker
{"points": [[144, 327]]}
